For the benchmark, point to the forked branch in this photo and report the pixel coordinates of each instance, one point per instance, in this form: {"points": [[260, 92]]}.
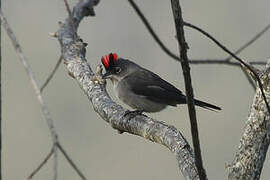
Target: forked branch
{"points": [[44, 107]]}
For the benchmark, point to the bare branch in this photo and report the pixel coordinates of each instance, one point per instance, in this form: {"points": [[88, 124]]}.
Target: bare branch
{"points": [[179, 26], [33, 80], [41, 164], [248, 76], [71, 19], [152, 32], [224, 62], [234, 56], [73, 52], [52, 74], [252, 40], [34, 83], [30, 73], [73, 165], [197, 61], [252, 150], [55, 164]]}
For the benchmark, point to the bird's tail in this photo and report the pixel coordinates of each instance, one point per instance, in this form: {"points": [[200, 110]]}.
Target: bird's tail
{"points": [[206, 105]]}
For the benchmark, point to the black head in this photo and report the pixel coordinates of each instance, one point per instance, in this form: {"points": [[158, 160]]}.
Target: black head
{"points": [[110, 62], [117, 68]]}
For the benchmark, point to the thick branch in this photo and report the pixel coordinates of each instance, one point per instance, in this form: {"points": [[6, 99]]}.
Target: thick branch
{"points": [[250, 157], [73, 52], [179, 26]]}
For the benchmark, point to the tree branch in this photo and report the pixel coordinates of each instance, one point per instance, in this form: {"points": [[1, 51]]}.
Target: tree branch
{"points": [[222, 61], [225, 61], [152, 32], [33, 80], [251, 82], [41, 164], [73, 52], [235, 57], [34, 84], [51, 74], [73, 165], [252, 40], [179, 26], [251, 154]]}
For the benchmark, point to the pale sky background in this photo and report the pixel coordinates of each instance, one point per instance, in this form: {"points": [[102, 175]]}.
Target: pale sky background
{"points": [[97, 149]]}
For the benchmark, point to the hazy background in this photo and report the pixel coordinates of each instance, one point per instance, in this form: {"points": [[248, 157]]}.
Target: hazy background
{"points": [[98, 150]]}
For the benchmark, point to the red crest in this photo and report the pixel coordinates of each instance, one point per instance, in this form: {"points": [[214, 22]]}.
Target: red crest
{"points": [[109, 60]]}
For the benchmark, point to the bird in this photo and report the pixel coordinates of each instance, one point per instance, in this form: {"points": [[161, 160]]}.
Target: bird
{"points": [[141, 89]]}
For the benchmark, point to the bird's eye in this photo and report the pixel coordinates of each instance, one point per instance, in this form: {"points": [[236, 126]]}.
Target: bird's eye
{"points": [[118, 70]]}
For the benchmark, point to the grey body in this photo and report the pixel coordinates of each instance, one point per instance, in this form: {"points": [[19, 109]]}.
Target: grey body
{"points": [[124, 92], [144, 90]]}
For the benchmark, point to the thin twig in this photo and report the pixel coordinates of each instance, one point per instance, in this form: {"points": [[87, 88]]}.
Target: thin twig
{"points": [[257, 36], [251, 82], [199, 61], [206, 61], [34, 83], [55, 160], [152, 32], [41, 164], [252, 40], [33, 80], [222, 61], [225, 61], [70, 161], [52, 74], [30, 73], [179, 26], [71, 19], [234, 56]]}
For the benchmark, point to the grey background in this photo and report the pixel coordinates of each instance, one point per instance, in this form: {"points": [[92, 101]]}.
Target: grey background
{"points": [[99, 151]]}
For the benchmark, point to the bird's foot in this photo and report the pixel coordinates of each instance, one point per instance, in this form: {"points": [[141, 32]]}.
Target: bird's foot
{"points": [[132, 114]]}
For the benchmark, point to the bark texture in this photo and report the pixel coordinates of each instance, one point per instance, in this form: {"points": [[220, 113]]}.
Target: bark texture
{"points": [[73, 52], [251, 154]]}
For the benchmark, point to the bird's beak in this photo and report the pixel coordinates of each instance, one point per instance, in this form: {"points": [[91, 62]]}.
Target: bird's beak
{"points": [[107, 75]]}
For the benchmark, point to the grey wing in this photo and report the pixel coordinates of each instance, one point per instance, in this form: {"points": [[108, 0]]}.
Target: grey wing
{"points": [[155, 88]]}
